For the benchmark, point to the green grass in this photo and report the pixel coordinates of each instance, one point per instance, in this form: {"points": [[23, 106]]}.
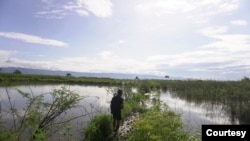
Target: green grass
{"points": [[16, 79], [99, 128], [133, 105]]}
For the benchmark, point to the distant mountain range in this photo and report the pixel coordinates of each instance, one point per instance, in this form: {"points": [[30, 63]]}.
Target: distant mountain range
{"points": [[80, 74]]}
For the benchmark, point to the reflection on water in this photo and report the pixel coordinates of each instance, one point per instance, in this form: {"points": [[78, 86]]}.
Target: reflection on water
{"points": [[194, 115], [96, 100]]}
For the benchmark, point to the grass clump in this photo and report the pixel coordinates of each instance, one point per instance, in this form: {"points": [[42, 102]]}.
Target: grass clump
{"points": [[99, 128], [133, 105]]}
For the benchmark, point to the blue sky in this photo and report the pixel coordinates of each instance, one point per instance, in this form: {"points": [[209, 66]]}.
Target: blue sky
{"points": [[203, 39]]}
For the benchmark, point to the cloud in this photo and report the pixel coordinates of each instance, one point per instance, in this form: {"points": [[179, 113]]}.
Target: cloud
{"points": [[230, 42], [16, 62], [226, 57], [4, 53], [209, 31], [239, 22], [226, 42], [203, 63], [199, 11], [105, 54], [53, 14], [190, 58], [118, 43], [172, 6], [165, 6], [33, 39], [99, 8], [107, 64], [228, 6], [104, 62]]}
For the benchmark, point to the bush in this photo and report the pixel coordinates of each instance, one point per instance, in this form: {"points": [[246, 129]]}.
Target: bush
{"points": [[157, 125], [40, 117], [99, 128], [133, 105]]}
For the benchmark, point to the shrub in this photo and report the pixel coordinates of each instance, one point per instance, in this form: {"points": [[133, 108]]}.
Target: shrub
{"points": [[157, 125], [40, 117], [133, 105]]}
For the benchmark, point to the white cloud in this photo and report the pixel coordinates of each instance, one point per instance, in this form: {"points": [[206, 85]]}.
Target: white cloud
{"points": [[165, 6], [230, 43], [55, 10], [195, 64], [121, 41], [172, 6], [88, 64], [225, 57], [100, 8], [33, 39], [228, 6], [214, 30], [53, 14], [77, 7], [82, 12], [190, 58], [15, 62], [226, 42], [239, 22], [118, 43], [198, 11], [105, 54]]}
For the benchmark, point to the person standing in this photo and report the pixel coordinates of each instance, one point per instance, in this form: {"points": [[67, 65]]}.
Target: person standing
{"points": [[116, 106]]}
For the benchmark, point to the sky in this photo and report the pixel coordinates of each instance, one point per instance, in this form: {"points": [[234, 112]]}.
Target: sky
{"points": [[200, 39]]}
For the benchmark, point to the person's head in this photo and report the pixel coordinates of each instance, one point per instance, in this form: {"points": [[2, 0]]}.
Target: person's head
{"points": [[119, 92]]}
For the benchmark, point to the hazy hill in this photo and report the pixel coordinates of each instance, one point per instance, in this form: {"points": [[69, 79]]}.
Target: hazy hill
{"points": [[79, 74]]}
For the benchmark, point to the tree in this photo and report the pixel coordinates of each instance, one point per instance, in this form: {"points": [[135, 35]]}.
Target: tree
{"points": [[68, 74], [17, 72], [166, 76]]}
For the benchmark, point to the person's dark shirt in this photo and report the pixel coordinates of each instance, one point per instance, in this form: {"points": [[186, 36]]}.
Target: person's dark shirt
{"points": [[116, 104]]}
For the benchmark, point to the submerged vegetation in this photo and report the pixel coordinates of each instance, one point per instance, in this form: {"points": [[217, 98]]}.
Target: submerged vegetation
{"points": [[234, 96], [38, 120]]}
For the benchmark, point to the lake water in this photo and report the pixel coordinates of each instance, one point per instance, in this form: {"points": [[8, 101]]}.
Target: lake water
{"points": [[97, 100], [194, 114]]}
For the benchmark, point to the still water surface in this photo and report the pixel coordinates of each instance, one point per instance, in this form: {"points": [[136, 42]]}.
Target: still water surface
{"points": [[194, 115], [97, 100]]}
